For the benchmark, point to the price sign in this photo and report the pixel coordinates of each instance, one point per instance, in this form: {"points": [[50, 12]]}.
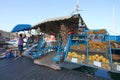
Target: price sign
{"points": [[118, 67], [96, 63], [74, 60]]}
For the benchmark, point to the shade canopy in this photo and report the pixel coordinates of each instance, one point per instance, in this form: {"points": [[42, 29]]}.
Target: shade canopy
{"points": [[54, 23], [21, 27]]}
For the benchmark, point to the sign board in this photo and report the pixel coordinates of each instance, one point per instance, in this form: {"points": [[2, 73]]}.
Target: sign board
{"points": [[74, 60], [118, 67], [96, 63]]}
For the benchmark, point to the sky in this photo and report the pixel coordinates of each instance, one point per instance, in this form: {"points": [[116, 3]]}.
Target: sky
{"points": [[97, 14]]}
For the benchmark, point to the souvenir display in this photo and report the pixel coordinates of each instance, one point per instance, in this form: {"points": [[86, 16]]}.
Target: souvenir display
{"points": [[91, 51]]}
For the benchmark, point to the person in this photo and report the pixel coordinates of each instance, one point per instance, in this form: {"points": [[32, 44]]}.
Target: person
{"points": [[20, 45]]}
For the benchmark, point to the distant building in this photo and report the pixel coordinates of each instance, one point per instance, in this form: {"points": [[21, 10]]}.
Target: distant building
{"points": [[4, 34]]}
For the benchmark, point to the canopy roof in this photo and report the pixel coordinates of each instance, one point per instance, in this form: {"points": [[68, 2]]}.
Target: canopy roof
{"points": [[51, 20], [54, 23], [21, 27]]}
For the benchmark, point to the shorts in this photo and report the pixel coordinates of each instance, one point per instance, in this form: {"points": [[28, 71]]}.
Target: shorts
{"points": [[20, 47]]}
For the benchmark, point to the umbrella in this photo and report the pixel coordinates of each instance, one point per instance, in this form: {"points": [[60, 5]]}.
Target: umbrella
{"points": [[21, 27]]}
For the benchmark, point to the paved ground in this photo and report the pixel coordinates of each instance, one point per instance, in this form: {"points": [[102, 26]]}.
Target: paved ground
{"points": [[24, 69]]}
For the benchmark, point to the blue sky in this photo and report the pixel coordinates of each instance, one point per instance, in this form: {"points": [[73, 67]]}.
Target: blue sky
{"points": [[97, 14]]}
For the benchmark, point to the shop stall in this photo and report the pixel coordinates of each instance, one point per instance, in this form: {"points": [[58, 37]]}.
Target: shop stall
{"points": [[68, 40], [55, 37]]}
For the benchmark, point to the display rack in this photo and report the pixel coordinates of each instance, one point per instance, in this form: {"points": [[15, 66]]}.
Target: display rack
{"points": [[115, 49], [77, 50], [44, 47], [91, 49], [100, 49]]}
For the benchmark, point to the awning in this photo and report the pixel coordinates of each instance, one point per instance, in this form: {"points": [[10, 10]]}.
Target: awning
{"points": [[50, 20], [21, 27], [54, 23]]}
